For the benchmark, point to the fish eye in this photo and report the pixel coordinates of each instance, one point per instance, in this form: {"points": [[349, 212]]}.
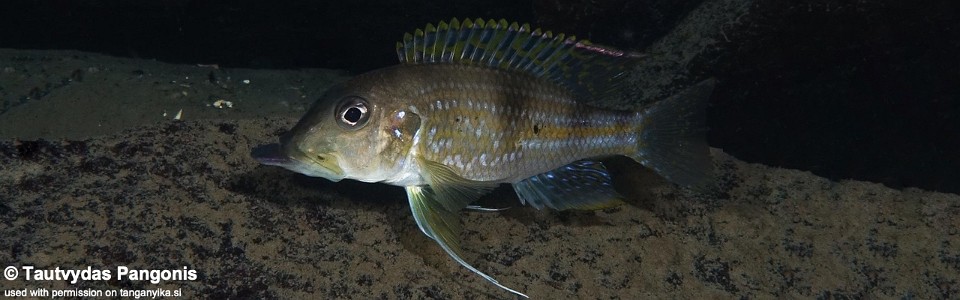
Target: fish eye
{"points": [[352, 113]]}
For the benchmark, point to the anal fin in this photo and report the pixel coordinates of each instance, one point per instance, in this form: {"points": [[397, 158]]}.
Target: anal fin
{"points": [[583, 184]]}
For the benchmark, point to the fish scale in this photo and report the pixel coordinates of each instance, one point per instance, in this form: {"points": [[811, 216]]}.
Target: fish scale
{"points": [[475, 104], [537, 127]]}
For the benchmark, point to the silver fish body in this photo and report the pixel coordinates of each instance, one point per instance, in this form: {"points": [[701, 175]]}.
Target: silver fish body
{"points": [[477, 104]]}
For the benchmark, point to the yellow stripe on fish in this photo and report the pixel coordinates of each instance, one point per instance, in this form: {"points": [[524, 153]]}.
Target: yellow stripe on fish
{"points": [[487, 130]]}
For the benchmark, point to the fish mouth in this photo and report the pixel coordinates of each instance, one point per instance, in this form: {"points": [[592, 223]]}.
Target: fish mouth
{"points": [[322, 165]]}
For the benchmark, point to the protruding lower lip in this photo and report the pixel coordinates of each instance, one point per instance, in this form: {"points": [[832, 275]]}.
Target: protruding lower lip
{"points": [[273, 155]]}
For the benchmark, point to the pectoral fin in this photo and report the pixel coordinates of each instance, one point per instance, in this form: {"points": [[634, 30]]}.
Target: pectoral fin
{"points": [[436, 209]]}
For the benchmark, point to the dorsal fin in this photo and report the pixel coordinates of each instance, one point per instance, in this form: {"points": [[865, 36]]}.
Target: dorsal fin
{"points": [[591, 72]]}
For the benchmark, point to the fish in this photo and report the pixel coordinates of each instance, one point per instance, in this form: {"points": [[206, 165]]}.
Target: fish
{"points": [[476, 104]]}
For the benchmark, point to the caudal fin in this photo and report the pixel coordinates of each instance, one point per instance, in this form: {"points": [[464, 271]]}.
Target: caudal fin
{"points": [[673, 138]]}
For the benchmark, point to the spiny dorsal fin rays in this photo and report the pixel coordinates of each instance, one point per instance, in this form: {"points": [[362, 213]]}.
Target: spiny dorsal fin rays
{"points": [[590, 72], [436, 209]]}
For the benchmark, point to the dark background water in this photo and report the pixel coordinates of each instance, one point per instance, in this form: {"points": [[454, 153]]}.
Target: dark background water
{"points": [[867, 91]]}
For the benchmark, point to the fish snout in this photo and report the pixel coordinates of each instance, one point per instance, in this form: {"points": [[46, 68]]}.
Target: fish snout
{"points": [[318, 165], [270, 155]]}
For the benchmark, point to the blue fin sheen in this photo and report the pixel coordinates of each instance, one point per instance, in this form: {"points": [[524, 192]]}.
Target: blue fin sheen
{"points": [[583, 184]]}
